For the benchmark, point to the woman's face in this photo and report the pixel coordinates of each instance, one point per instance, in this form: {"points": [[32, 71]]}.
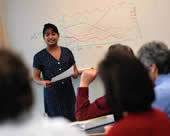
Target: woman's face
{"points": [[51, 37]]}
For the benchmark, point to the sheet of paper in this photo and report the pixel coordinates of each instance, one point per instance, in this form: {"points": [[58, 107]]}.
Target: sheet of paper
{"points": [[63, 75]]}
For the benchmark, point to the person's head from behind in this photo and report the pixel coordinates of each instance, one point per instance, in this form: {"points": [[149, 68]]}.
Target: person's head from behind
{"points": [[16, 92], [127, 83], [153, 55], [162, 62], [122, 49], [50, 34]]}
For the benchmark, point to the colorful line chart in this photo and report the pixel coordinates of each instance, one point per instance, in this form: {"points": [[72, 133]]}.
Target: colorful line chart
{"points": [[91, 29]]}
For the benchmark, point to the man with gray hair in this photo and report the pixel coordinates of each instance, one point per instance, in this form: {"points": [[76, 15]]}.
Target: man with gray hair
{"points": [[156, 57]]}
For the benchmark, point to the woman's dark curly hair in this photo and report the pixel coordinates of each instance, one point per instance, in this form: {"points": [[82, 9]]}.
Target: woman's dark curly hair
{"points": [[127, 83]]}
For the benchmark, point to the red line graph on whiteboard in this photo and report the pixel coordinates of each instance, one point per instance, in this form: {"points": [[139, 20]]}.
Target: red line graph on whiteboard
{"points": [[113, 23]]}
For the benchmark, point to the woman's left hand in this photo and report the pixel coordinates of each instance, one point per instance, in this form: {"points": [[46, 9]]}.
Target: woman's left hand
{"points": [[75, 74]]}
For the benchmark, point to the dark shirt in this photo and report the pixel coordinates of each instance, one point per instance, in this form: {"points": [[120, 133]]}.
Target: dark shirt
{"points": [[59, 99]]}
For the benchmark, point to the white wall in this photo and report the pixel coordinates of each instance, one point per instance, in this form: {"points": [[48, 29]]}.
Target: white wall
{"points": [[1, 7], [86, 27], [2, 26]]}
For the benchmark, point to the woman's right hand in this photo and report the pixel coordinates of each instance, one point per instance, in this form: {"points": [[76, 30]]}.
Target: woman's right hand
{"points": [[46, 83], [87, 77]]}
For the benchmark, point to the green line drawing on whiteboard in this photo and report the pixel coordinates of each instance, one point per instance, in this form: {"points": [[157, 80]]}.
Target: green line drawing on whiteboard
{"points": [[106, 43], [139, 30], [115, 23]]}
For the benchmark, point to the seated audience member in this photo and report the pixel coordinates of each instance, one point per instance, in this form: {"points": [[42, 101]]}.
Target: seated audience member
{"points": [[83, 108], [129, 89], [16, 101], [156, 58]]}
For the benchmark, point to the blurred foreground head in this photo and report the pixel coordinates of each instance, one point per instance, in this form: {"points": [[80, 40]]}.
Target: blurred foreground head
{"points": [[16, 93]]}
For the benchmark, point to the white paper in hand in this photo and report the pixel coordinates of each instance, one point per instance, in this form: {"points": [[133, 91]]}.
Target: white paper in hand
{"points": [[63, 75]]}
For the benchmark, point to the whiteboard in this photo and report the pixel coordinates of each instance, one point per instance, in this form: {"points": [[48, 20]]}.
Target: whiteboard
{"points": [[87, 27]]}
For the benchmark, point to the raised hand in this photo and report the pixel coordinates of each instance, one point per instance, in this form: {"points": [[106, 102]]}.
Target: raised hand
{"points": [[87, 77]]}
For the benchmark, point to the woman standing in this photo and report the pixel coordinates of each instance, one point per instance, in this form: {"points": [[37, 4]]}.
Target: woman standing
{"points": [[59, 97]]}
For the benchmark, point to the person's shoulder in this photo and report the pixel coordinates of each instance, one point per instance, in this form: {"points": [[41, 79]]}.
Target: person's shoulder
{"points": [[162, 92], [120, 129], [142, 122], [160, 119], [65, 49], [162, 82], [39, 53], [160, 113]]}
